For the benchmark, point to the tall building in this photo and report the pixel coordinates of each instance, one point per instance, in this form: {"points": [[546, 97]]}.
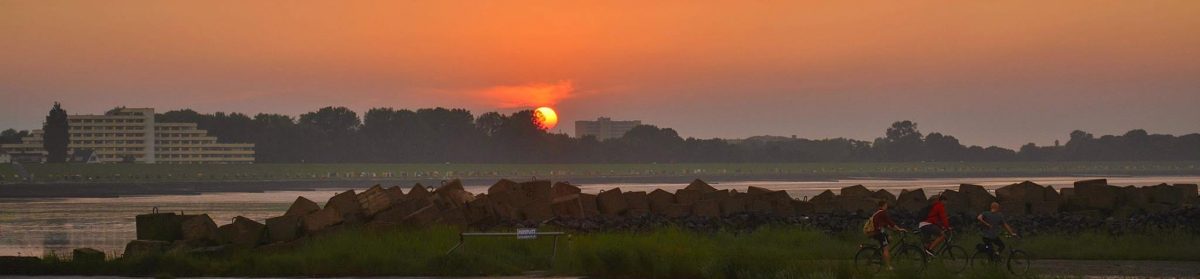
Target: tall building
{"points": [[131, 134], [604, 128]]}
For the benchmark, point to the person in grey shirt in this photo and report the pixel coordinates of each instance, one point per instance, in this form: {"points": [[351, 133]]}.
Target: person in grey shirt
{"points": [[992, 221]]}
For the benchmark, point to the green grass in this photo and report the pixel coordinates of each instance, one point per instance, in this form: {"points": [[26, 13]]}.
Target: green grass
{"points": [[781, 252], [159, 173]]}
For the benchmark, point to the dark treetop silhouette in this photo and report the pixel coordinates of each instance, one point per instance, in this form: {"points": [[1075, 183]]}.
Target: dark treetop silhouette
{"points": [[437, 135]]}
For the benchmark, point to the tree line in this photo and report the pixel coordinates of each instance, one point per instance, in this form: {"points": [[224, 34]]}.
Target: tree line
{"points": [[441, 135]]}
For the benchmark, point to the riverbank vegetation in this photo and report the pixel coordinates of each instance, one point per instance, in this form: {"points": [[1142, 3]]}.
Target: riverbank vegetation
{"points": [[778, 252]]}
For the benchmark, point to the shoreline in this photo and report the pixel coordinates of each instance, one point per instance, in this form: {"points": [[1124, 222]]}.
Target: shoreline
{"points": [[112, 189]]}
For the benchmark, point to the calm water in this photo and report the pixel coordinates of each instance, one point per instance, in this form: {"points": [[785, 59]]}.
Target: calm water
{"points": [[38, 227]]}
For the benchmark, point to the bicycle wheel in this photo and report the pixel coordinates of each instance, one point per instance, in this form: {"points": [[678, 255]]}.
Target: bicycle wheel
{"points": [[1018, 262], [910, 256], [980, 259], [954, 259], [868, 259]]}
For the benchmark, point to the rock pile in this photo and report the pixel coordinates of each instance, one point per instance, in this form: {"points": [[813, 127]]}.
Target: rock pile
{"points": [[698, 206]]}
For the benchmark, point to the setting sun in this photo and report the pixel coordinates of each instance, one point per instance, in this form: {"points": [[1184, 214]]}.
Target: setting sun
{"points": [[546, 118]]}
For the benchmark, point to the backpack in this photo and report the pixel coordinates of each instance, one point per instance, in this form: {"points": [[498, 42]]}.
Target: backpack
{"points": [[869, 226]]}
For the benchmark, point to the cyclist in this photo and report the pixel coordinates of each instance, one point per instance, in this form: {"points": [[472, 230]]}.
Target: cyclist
{"points": [[992, 221], [881, 221], [936, 224]]}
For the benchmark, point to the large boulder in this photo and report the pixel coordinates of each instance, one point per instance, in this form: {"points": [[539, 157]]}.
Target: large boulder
{"points": [[884, 195], [243, 232], [284, 228], [1096, 194], [911, 201], [200, 230], [159, 226], [346, 203], [479, 209], [589, 204], [302, 207], [686, 196], [956, 203], [451, 195], [418, 192], [324, 218], [141, 248], [638, 202], [374, 200], [855, 191], [1133, 197], [978, 198], [1190, 192], [1166, 194], [563, 191], [660, 201], [538, 191], [396, 194], [735, 203], [612, 203], [826, 202], [706, 208], [803, 207], [566, 202], [537, 211], [700, 187]]}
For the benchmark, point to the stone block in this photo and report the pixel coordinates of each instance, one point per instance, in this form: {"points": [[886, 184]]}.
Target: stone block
{"points": [[638, 203], [699, 186], [911, 201], [346, 203], [141, 248], [612, 202], [706, 208], [855, 191], [685, 196], [374, 200], [660, 200], [324, 218], [284, 228], [589, 204], [159, 226], [243, 232], [302, 207], [978, 198], [200, 230]]}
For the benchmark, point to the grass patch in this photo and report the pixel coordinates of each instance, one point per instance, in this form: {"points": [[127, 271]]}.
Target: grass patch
{"points": [[778, 252]]}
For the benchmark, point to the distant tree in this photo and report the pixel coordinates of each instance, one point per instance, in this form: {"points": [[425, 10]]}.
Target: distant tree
{"points": [[56, 136], [13, 136], [903, 142], [332, 120]]}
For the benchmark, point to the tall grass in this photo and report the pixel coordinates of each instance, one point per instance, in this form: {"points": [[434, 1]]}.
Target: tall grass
{"points": [[776, 252]]}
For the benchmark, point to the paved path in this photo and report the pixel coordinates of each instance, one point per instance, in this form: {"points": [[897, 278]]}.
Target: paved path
{"points": [[1119, 269]]}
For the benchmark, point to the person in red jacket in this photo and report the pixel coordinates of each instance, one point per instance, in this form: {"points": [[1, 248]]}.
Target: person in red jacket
{"points": [[935, 224]]}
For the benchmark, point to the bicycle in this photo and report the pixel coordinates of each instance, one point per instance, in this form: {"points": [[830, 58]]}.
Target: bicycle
{"points": [[952, 257], [1017, 261], [870, 256]]}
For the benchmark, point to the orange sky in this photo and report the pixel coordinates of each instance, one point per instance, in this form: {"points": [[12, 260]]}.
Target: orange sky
{"points": [[989, 72]]}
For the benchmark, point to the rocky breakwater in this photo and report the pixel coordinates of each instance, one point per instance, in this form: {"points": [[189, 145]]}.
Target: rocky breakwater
{"points": [[508, 204]]}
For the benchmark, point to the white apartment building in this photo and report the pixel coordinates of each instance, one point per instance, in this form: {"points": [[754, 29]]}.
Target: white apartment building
{"points": [[131, 134]]}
